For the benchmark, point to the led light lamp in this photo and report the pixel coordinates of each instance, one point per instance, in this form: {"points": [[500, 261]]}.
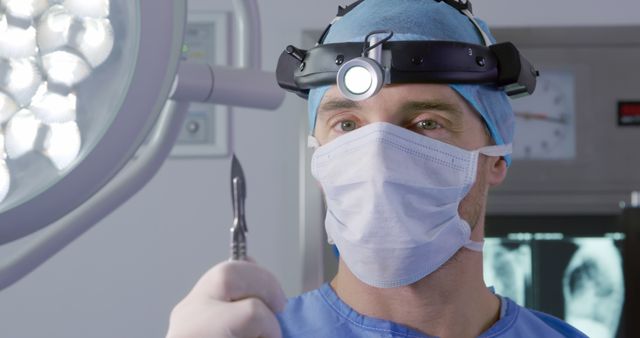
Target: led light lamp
{"points": [[73, 113], [360, 78], [8, 107], [84, 8], [112, 77], [20, 79], [5, 179], [62, 144], [91, 38], [21, 133], [16, 41], [95, 40], [65, 68], [54, 28], [24, 9], [51, 107]]}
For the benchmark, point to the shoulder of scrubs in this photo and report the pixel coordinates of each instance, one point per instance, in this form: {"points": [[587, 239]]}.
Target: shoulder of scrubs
{"points": [[322, 314], [518, 321]]}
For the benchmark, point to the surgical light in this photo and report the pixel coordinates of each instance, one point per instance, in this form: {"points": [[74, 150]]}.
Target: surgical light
{"points": [[5, 180], [21, 133], [91, 38], [52, 107], [363, 77], [62, 144], [20, 78], [8, 107], [15, 41], [95, 40], [103, 77], [88, 8], [65, 67], [357, 80], [3, 154], [360, 78], [45, 129], [54, 28], [24, 9]]}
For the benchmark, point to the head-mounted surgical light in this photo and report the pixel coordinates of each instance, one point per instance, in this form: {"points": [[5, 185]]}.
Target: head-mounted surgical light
{"points": [[356, 78], [360, 75], [83, 83], [363, 77]]}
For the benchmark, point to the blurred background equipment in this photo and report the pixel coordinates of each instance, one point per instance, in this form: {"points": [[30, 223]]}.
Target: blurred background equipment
{"points": [[631, 223]]}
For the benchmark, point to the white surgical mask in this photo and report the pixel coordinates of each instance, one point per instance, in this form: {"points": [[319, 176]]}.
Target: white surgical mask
{"points": [[392, 201]]}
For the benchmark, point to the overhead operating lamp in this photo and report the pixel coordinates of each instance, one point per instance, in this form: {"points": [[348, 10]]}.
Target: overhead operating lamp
{"points": [[83, 83]]}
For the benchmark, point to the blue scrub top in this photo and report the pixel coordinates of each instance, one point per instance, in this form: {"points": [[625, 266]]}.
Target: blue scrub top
{"points": [[322, 314]]}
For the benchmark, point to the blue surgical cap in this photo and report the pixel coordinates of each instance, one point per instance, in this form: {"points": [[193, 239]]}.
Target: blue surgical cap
{"points": [[420, 20]]}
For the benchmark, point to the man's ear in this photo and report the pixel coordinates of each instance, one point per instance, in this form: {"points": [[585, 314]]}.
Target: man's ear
{"points": [[497, 170]]}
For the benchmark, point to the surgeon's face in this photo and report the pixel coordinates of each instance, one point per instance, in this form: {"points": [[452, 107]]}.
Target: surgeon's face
{"points": [[432, 110]]}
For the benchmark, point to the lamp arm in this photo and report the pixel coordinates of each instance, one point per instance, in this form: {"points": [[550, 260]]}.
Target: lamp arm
{"points": [[240, 87], [249, 40], [127, 183]]}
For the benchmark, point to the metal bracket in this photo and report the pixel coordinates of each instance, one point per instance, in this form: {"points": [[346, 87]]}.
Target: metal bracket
{"points": [[343, 10], [461, 5]]}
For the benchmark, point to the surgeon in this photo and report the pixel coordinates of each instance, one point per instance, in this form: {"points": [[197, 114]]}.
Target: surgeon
{"points": [[405, 170]]}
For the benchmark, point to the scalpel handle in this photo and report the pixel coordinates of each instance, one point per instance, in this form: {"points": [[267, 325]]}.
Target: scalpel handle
{"points": [[238, 244]]}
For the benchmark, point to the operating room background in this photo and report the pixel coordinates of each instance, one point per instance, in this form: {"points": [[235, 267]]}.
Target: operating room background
{"points": [[122, 278]]}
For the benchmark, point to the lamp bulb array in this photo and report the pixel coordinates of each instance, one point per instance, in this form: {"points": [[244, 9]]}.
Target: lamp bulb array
{"points": [[47, 48]]}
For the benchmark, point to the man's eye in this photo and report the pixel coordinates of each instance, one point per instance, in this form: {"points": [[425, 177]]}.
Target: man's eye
{"points": [[347, 125], [427, 125]]}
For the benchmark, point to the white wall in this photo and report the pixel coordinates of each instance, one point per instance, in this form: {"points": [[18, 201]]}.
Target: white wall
{"points": [[122, 278]]}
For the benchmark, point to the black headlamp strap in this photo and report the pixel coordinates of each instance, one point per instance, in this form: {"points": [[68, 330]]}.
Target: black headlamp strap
{"points": [[464, 6], [485, 38], [342, 11]]}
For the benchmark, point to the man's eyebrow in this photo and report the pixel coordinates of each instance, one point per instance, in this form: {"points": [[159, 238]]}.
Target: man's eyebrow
{"points": [[336, 104], [438, 105]]}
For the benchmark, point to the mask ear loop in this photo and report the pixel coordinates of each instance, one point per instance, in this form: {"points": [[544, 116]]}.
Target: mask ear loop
{"points": [[474, 246], [312, 142], [499, 150]]}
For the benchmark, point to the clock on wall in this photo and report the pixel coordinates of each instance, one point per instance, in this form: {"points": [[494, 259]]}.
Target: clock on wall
{"points": [[545, 121]]}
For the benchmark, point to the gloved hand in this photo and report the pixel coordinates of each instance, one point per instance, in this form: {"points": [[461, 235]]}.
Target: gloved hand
{"points": [[236, 299]]}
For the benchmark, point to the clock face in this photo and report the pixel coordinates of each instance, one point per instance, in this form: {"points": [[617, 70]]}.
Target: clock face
{"points": [[545, 121]]}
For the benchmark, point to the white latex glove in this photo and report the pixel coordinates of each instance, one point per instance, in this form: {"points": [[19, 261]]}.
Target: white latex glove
{"points": [[236, 299]]}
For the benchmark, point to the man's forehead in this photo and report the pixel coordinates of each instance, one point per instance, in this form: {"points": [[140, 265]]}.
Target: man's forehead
{"points": [[400, 97]]}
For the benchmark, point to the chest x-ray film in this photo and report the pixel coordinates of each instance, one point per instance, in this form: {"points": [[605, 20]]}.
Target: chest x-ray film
{"points": [[577, 279], [507, 267]]}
